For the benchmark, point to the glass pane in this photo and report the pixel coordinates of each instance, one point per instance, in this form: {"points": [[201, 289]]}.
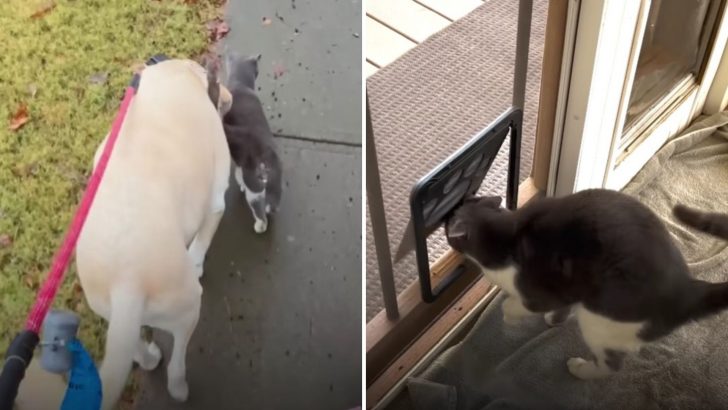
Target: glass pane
{"points": [[673, 48]]}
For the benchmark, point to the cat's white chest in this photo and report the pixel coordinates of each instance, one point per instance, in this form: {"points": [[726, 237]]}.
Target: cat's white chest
{"points": [[504, 278]]}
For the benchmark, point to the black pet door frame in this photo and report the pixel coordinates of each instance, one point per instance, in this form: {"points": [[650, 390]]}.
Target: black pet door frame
{"points": [[445, 188]]}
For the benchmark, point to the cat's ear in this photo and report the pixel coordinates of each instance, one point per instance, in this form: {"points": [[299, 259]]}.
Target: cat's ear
{"points": [[255, 60], [457, 233], [487, 201], [492, 201], [212, 67], [211, 62]]}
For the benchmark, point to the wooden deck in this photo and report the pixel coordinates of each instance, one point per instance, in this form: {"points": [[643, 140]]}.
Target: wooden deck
{"points": [[395, 26]]}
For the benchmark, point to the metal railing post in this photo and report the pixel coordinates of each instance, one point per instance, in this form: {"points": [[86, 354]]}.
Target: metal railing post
{"points": [[379, 223], [525, 9]]}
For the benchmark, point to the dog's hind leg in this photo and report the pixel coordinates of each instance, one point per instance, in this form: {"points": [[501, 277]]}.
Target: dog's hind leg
{"points": [[181, 328], [201, 242], [198, 248]]}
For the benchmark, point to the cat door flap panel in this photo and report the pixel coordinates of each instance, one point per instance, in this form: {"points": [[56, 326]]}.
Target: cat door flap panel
{"points": [[442, 190]]}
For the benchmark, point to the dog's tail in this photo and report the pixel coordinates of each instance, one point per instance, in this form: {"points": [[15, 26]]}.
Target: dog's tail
{"points": [[711, 223], [122, 337]]}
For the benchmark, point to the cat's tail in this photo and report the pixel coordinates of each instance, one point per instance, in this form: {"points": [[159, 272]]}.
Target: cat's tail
{"points": [[709, 299], [711, 223]]}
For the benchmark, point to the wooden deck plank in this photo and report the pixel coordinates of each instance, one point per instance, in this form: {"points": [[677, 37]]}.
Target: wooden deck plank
{"points": [[384, 45], [407, 17], [370, 69], [452, 9]]}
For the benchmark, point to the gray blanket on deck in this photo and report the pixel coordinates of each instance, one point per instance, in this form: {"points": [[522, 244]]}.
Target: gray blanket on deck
{"points": [[524, 367]]}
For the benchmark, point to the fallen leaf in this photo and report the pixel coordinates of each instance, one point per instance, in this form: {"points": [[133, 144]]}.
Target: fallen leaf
{"points": [[98, 78], [278, 71], [222, 30], [5, 241], [19, 118], [217, 29], [43, 10], [267, 21], [32, 90]]}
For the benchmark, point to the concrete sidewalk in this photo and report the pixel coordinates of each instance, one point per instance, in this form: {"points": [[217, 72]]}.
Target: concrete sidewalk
{"points": [[281, 325]]}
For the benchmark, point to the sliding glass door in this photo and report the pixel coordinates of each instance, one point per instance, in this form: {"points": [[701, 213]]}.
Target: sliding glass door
{"points": [[640, 73]]}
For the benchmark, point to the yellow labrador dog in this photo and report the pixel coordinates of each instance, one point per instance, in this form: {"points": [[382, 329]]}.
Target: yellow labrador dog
{"points": [[141, 251]]}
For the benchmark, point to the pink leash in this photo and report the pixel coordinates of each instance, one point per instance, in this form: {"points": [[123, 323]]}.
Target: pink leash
{"points": [[53, 281]]}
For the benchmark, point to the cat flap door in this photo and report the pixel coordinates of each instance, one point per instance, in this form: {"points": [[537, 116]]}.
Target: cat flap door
{"points": [[442, 190]]}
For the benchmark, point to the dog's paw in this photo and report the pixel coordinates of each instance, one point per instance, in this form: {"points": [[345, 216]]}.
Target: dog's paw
{"points": [[585, 369], [150, 358], [178, 389], [260, 226]]}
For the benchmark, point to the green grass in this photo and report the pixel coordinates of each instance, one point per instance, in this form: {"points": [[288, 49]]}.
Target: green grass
{"points": [[44, 165]]}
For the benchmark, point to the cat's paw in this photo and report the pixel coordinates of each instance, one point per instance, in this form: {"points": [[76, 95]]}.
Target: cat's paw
{"points": [[513, 311], [260, 226], [555, 317], [586, 369], [551, 319]]}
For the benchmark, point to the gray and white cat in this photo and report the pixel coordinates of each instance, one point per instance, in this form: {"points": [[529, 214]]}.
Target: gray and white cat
{"points": [[258, 167], [600, 252]]}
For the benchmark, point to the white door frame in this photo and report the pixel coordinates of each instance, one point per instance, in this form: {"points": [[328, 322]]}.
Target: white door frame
{"points": [[608, 40], [717, 99]]}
